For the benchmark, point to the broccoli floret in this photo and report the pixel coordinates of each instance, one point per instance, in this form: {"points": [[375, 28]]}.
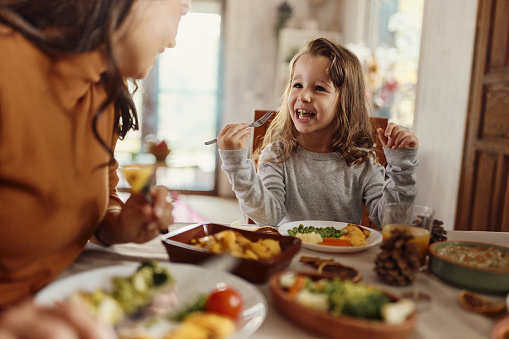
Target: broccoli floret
{"points": [[159, 274], [126, 294], [358, 300]]}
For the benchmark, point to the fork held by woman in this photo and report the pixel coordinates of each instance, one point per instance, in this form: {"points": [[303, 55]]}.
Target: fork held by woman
{"points": [[256, 123]]}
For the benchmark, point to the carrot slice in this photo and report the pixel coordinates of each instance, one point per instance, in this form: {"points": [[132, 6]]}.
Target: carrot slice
{"points": [[297, 286], [335, 242]]}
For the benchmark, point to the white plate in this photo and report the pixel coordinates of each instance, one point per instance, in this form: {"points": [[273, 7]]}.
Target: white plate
{"points": [[191, 280], [374, 238]]}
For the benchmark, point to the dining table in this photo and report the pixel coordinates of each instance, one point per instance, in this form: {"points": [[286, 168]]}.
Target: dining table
{"points": [[441, 317]]}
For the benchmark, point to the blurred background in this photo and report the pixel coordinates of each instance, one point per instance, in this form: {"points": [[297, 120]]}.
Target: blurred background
{"points": [[232, 58], [234, 55]]}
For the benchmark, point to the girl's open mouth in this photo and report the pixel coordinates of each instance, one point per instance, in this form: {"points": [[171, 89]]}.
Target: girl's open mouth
{"points": [[303, 114]]}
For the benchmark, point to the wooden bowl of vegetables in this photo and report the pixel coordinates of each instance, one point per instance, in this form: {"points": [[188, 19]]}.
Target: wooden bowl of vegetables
{"points": [[341, 309]]}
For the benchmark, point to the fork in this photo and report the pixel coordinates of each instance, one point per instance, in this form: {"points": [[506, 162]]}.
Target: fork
{"points": [[256, 123]]}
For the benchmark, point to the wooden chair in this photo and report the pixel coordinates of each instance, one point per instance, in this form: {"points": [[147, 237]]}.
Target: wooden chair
{"points": [[258, 134]]}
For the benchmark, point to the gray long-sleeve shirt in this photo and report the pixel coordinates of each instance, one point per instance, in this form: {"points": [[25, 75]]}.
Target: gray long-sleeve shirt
{"points": [[319, 186]]}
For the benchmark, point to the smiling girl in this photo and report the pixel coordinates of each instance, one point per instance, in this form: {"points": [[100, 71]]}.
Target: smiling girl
{"points": [[317, 160]]}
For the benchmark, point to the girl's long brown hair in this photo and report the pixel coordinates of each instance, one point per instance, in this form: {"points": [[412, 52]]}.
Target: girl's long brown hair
{"points": [[65, 27], [354, 136]]}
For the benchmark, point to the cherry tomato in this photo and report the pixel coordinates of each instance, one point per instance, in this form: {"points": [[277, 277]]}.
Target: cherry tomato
{"points": [[225, 301]]}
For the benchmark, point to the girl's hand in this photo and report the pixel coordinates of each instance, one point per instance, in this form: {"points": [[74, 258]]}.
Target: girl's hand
{"points": [[29, 321], [234, 136], [395, 136]]}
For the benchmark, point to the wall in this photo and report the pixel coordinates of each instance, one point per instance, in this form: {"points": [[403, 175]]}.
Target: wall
{"points": [[250, 51], [447, 43]]}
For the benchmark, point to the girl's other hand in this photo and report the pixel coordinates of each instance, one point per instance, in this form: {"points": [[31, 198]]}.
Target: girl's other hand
{"points": [[234, 136], [395, 136], [29, 321]]}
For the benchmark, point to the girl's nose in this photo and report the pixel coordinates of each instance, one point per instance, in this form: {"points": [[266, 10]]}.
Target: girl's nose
{"points": [[304, 96]]}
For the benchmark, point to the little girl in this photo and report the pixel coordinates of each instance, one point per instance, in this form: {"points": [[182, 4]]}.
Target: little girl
{"points": [[317, 159]]}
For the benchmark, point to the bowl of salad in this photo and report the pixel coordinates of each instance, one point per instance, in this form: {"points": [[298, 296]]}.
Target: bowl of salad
{"points": [[338, 309]]}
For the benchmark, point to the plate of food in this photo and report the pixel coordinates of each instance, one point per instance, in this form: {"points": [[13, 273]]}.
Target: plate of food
{"points": [[332, 236], [164, 300]]}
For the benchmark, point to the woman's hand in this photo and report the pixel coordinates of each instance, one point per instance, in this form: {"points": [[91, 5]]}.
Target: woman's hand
{"points": [[234, 136], [29, 321], [139, 220], [395, 136]]}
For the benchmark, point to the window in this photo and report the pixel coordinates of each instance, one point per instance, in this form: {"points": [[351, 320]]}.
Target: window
{"points": [[180, 102], [391, 57]]}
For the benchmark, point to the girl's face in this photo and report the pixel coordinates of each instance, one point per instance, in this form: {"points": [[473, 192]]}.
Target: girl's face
{"points": [[313, 98], [149, 28]]}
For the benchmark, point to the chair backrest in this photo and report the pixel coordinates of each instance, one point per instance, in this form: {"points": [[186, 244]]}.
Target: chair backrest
{"points": [[259, 133]]}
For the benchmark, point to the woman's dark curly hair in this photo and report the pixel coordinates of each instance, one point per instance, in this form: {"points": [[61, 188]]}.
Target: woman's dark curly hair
{"points": [[65, 27]]}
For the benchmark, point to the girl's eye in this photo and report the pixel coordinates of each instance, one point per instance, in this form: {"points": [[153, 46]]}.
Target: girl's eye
{"points": [[297, 85], [320, 88]]}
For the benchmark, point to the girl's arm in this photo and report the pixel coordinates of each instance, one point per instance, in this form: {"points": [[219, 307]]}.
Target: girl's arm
{"points": [[397, 185], [262, 200]]}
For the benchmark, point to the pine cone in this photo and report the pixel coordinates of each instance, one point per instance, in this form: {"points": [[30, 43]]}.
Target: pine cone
{"points": [[438, 232], [398, 262]]}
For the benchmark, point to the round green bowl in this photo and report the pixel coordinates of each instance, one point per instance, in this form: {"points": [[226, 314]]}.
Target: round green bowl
{"points": [[482, 280]]}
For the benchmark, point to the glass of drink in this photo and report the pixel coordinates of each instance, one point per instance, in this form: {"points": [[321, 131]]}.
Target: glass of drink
{"points": [[416, 220]]}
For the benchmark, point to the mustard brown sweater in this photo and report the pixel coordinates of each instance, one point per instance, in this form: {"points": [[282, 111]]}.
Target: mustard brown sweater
{"points": [[54, 186]]}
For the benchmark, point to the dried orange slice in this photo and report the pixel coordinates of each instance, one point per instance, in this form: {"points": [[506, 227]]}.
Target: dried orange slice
{"points": [[475, 303]]}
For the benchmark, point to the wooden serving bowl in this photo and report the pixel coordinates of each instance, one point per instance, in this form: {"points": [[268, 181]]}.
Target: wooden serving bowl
{"points": [[335, 327]]}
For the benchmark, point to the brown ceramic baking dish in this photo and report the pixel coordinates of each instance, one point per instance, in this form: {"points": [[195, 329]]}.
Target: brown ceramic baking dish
{"points": [[256, 271]]}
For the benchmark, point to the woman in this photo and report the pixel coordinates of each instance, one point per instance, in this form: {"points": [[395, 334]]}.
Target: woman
{"points": [[63, 104]]}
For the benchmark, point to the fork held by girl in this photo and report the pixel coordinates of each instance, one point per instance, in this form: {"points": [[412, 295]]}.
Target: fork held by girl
{"points": [[317, 160]]}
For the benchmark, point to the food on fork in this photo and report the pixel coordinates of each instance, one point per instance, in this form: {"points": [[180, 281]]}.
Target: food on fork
{"points": [[138, 176]]}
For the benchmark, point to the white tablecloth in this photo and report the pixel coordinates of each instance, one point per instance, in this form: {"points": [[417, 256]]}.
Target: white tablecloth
{"points": [[443, 318]]}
